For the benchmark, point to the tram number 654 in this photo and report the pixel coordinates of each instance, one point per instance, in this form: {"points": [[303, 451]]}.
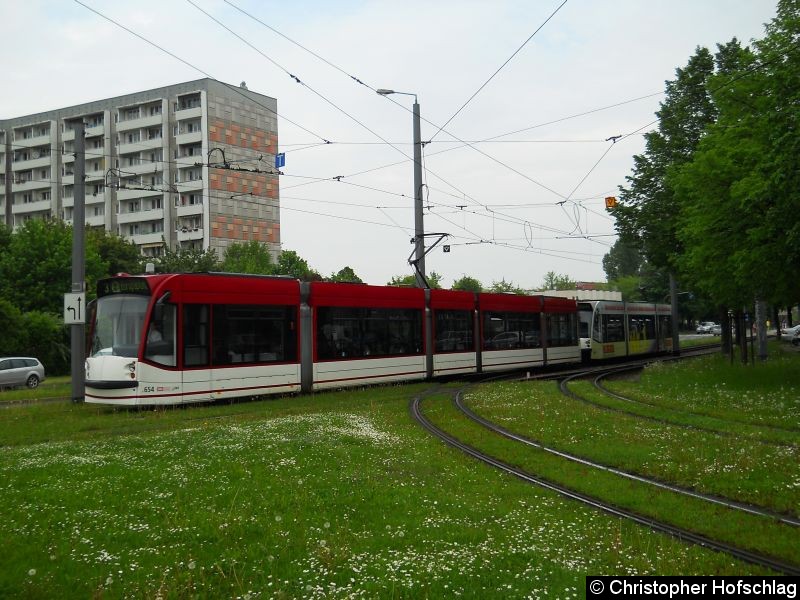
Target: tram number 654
{"points": [[148, 389]]}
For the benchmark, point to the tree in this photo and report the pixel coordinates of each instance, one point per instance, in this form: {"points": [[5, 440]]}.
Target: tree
{"points": [[290, 263], [741, 227], [188, 260], [36, 267], [251, 257], [506, 287], [648, 208], [434, 280], [118, 254], [623, 260], [467, 284], [48, 340], [345, 275], [553, 281], [14, 339]]}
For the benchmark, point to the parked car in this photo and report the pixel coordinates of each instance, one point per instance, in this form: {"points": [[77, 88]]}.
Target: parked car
{"points": [[790, 332], [716, 329], [796, 338], [20, 370], [705, 327]]}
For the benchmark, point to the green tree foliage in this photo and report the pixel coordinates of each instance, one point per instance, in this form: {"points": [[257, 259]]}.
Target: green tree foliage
{"points": [[741, 225], [434, 280], [188, 260], [467, 284], [648, 208], [48, 340], [623, 260], [554, 281], [36, 334], [36, 267], [345, 275], [290, 263], [14, 339], [251, 257], [118, 254], [506, 287]]}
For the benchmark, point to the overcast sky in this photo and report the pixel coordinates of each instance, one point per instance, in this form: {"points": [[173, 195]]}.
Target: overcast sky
{"points": [[515, 206]]}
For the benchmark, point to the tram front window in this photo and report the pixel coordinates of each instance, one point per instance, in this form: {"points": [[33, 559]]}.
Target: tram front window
{"points": [[118, 325]]}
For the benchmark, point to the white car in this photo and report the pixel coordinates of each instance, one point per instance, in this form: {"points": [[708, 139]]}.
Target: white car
{"points": [[790, 332], [705, 327]]}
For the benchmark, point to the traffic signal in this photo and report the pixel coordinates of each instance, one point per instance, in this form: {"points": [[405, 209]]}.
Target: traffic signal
{"points": [[611, 202]]}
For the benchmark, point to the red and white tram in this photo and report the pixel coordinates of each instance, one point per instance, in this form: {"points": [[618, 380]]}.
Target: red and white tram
{"points": [[176, 338]]}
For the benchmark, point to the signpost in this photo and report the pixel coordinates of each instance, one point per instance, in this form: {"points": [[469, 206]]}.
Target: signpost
{"points": [[75, 309]]}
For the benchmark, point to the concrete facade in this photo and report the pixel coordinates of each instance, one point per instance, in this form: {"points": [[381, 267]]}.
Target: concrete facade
{"points": [[170, 167]]}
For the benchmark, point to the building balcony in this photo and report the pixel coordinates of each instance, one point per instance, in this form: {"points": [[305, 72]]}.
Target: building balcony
{"points": [[189, 138], [93, 131], [189, 161], [145, 238], [189, 210], [125, 194], [30, 185], [141, 215], [189, 235], [145, 166], [31, 207], [189, 113], [146, 121], [33, 163], [41, 140], [189, 186], [96, 221]]}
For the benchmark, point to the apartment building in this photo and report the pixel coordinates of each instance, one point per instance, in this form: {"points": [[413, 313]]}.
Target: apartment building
{"points": [[187, 165]]}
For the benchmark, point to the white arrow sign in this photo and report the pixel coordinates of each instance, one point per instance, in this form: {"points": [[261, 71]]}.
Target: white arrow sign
{"points": [[74, 309]]}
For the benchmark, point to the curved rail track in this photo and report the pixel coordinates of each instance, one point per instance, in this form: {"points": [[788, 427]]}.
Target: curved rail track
{"points": [[652, 523], [611, 372]]}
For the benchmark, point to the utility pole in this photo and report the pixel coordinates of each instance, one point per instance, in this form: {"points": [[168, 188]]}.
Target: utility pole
{"points": [[419, 227], [77, 330], [673, 299]]}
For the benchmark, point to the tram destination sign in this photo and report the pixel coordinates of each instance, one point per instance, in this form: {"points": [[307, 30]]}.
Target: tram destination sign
{"points": [[126, 285]]}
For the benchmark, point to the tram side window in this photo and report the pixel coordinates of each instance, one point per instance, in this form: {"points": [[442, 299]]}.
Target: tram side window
{"points": [[641, 328], [562, 330], [160, 346], [195, 335], [253, 334], [454, 331], [613, 328], [367, 332], [509, 331]]}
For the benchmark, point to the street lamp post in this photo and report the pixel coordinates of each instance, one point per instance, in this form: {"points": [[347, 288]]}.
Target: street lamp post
{"points": [[419, 228]]}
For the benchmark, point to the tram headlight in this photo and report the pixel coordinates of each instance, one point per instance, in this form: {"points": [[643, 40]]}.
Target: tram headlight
{"points": [[131, 366]]}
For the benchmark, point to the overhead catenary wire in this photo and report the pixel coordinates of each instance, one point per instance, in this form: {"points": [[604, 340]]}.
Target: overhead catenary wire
{"points": [[517, 51], [198, 69]]}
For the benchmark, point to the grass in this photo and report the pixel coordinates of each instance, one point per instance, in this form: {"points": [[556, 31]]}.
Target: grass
{"points": [[338, 495], [52, 387], [734, 467]]}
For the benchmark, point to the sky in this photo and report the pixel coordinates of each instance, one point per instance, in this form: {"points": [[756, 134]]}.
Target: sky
{"points": [[517, 184]]}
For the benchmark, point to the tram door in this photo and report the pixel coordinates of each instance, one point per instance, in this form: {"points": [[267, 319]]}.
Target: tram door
{"points": [[197, 379]]}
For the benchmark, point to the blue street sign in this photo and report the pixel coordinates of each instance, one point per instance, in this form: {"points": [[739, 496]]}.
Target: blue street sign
{"points": [[280, 160]]}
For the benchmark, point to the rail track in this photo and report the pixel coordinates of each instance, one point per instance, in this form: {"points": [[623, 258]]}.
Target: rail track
{"points": [[607, 507]]}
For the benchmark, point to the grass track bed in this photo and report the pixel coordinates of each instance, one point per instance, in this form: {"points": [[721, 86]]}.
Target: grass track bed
{"points": [[336, 496]]}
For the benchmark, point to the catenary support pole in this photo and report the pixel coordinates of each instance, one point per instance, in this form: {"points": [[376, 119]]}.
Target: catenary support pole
{"points": [[419, 228], [77, 331], [673, 300]]}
